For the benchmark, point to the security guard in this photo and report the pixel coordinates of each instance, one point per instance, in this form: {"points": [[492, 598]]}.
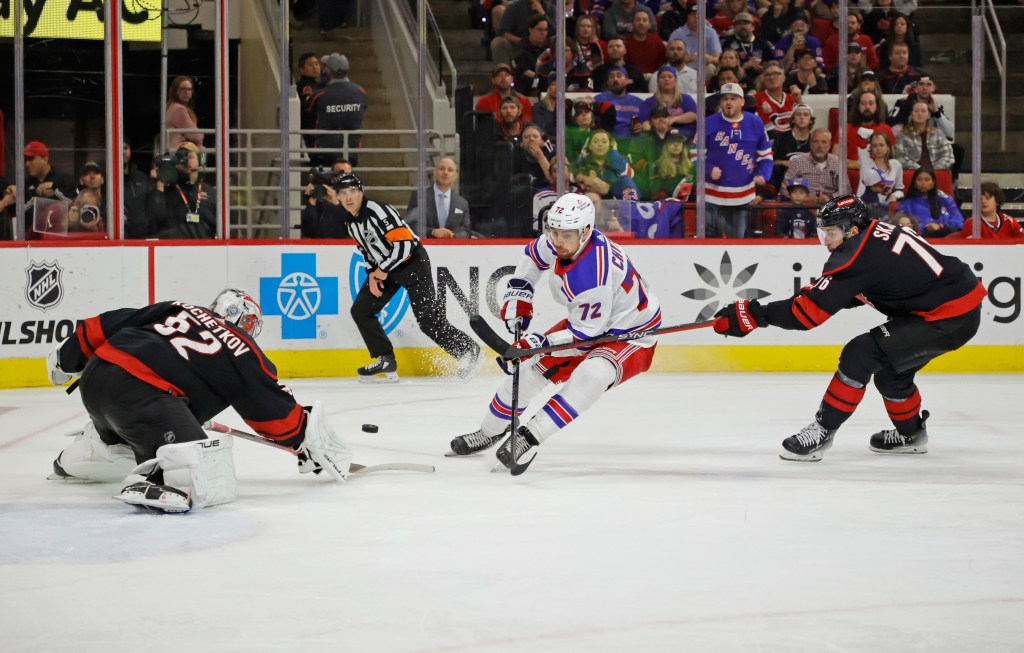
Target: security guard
{"points": [[339, 106]]}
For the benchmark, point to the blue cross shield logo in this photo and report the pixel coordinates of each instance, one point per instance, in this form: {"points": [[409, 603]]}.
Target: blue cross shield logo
{"points": [[299, 296], [392, 313]]}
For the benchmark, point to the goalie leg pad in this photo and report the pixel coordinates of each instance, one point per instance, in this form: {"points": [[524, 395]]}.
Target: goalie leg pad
{"points": [[89, 459], [203, 469], [324, 446]]}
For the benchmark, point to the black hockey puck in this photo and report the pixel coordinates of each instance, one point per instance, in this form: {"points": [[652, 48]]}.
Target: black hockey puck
{"points": [[370, 428]]}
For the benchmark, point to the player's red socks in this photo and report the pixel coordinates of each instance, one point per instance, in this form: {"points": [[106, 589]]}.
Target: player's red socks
{"points": [[905, 413], [839, 402]]}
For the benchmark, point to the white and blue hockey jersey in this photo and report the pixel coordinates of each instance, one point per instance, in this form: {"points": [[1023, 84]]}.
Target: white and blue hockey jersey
{"points": [[741, 150], [601, 289]]}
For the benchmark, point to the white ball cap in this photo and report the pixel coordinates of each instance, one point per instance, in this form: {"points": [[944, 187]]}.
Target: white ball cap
{"points": [[731, 89]]}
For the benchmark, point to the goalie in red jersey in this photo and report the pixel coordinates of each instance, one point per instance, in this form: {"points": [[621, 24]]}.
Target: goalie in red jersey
{"points": [[932, 300]]}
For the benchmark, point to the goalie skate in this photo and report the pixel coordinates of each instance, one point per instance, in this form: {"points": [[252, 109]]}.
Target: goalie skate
{"points": [[891, 441], [808, 445], [475, 442], [163, 498]]}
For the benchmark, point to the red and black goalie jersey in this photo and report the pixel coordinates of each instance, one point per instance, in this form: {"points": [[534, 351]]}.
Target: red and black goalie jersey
{"points": [[891, 268], [190, 352]]}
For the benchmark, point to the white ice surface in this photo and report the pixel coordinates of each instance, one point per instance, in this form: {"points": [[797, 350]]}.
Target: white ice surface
{"points": [[662, 520]]}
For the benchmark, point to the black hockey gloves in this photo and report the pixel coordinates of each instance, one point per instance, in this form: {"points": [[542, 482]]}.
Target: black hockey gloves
{"points": [[740, 318]]}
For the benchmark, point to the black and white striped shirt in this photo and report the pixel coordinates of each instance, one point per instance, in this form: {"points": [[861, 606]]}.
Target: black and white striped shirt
{"points": [[382, 236]]}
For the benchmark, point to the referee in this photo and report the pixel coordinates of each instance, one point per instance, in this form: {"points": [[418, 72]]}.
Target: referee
{"points": [[396, 259]]}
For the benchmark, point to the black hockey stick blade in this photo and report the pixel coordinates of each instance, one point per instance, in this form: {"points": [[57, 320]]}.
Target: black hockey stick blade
{"points": [[518, 469], [498, 344]]}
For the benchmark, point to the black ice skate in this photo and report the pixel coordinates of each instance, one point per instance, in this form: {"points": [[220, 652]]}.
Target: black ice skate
{"points": [[524, 443], [891, 441], [382, 370], [475, 442], [808, 445]]}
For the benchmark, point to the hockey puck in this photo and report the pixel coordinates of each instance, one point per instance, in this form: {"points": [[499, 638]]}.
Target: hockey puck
{"points": [[370, 428]]}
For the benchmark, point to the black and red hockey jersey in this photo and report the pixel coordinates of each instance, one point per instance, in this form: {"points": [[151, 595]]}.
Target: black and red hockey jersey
{"points": [[888, 267], [189, 352]]}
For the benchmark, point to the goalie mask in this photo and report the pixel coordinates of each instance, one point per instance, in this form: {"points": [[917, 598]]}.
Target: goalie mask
{"points": [[239, 308]]}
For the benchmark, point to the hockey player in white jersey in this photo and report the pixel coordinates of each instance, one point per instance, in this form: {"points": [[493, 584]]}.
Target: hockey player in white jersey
{"points": [[603, 294]]}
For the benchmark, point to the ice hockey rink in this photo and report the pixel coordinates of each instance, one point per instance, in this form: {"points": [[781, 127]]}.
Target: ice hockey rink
{"points": [[662, 520]]}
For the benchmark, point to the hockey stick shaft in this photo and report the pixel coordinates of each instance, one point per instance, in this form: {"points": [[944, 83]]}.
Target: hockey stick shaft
{"points": [[484, 331], [354, 468]]}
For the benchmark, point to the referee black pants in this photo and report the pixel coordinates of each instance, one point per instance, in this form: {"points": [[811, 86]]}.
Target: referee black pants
{"points": [[128, 411], [415, 276]]}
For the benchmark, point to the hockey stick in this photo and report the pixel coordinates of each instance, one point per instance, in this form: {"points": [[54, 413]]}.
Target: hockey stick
{"points": [[354, 468], [515, 467], [508, 352]]}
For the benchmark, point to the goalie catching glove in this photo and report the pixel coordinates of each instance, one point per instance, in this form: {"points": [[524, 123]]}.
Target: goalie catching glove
{"points": [[740, 318], [517, 304]]}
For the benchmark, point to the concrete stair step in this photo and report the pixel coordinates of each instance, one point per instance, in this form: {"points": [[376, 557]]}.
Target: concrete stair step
{"points": [[990, 139]]}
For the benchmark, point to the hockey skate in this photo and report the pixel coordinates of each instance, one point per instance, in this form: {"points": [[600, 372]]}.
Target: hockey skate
{"points": [[891, 441], [475, 442], [524, 444], [152, 496], [808, 445], [382, 370]]}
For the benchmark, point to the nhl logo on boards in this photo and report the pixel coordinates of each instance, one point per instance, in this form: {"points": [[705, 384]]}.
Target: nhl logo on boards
{"points": [[44, 285]]}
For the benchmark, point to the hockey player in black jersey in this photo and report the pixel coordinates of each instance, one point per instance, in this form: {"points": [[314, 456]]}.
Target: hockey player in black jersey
{"points": [[151, 377], [932, 300], [396, 260]]}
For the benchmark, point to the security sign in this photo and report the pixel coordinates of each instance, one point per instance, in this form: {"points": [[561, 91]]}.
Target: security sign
{"points": [[43, 287]]}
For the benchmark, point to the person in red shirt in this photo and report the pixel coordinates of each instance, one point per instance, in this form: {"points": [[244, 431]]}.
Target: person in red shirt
{"points": [[501, 88], [774, 104], [644, 48], [869, 118], [993, 223], [830, 52]]}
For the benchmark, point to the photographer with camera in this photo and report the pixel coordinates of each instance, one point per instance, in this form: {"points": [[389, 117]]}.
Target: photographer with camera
{"points": [[182, 206], [84, 213], [320, 218]]}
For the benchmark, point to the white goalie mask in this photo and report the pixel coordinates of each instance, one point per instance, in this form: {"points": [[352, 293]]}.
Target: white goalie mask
{"points": [[573, 211], [239, 308]]}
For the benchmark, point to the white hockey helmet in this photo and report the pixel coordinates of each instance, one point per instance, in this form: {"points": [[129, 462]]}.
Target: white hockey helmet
{"points": [[572, 211], [239, 308]]}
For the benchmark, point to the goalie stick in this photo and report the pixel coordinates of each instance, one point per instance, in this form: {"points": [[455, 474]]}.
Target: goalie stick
{"points": [[484, 331], [354, 468]]}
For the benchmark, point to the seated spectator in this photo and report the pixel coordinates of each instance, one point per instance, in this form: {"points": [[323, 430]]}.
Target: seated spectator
{"points": [[602, 170], [900, 77], [644, 48], [675, 55], [855, 68], [43, 180], [307, 86], [578, 133], [730, 59], [819, 167], [868, 119], [728, 76], [590, 49], [545, 110], [682, 109], [993, 223], [877, 22], [799, 221], [617, 59], [618, 19], [91, 177], [447, 214], [921, 144], [774, 104], [881, 177], [905, 220], [899, 31], [924, 91], [796, 40], [691, 36], [724, 20], [524, 63], [825, 27], [324, 217], [672, 174], [533, 157], [644, 148], [577, 74], [85, 214], [510, 127], [501, 88], [934, 210], [776, 19], [792, 143], [136, 187], [513, 25], [673, 18], [830, 52], [181, 115], [627, 107], [186, 208], [752, 52], [807, 77]]}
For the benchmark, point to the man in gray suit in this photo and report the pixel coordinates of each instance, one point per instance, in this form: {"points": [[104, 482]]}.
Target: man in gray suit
{"points": [[442, 201]]}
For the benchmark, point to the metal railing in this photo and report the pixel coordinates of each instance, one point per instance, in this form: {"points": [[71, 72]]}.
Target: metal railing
{"points": [[988, 14]]}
